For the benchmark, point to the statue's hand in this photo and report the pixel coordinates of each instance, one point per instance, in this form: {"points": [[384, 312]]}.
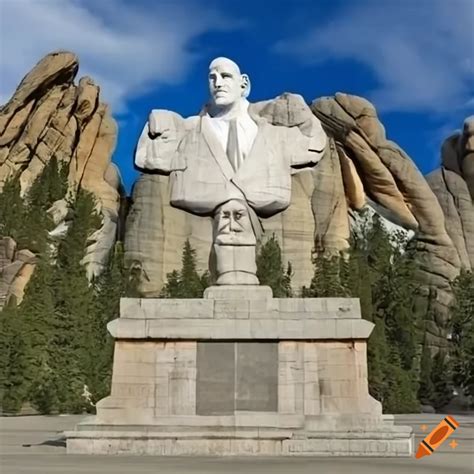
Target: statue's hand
{"points": [[159, 140], [164, 124]]}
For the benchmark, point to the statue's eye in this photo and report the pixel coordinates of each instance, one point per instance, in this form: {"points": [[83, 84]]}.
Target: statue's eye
{"points": [[238, 215], [226, 75]]}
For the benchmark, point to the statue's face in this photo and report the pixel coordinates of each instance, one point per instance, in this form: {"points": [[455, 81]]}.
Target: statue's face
{"points": [[226, 83], [233, 225]]}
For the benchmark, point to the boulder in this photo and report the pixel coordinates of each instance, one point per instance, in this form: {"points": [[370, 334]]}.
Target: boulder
{"points": [[55, 68]]}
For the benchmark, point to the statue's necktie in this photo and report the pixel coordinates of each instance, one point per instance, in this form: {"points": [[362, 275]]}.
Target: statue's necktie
{"points": [[233, 152]]}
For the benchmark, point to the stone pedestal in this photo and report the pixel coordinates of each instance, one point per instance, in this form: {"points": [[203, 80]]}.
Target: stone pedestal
{"points": [[240, 372]]}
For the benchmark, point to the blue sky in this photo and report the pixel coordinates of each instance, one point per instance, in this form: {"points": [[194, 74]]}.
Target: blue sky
{"points": [[414, 59]]}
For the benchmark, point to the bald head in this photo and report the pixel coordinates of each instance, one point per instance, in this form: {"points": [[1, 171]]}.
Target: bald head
{"points": [[227, 85], [224, 63]]}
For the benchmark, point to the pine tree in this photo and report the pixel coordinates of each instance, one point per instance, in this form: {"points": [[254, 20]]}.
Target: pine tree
{"points": [[13, 362], [377, 355], [380, 271], [12, 209], [396, 296], [37, 312], [400, 390], [270, 270], [442, 381], [108, 288], [426, 388], [48, 187], [328, 278], [186, 283], [191, 284], [463, 332], [172, 287], [356, 279], [74, 307]]}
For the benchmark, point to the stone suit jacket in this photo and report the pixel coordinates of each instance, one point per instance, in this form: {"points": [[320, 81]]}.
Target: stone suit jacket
{"points": [[202, 178]]}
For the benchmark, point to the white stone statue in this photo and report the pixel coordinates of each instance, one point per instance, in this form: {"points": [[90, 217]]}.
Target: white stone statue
{"points": [[231, 163]]}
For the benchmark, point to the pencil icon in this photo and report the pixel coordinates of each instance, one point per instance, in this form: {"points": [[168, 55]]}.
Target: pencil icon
{"points": [[437, 437]]}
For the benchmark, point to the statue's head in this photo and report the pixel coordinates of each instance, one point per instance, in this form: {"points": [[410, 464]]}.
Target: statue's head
{"points": [[233, 225], [227, 84]]}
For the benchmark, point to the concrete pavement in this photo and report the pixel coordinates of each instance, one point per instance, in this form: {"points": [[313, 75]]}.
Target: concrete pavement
{"points": [[33, 444]]}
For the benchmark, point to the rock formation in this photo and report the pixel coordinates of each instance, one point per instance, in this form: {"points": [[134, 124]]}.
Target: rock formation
{"points": [[16, 268], [453, 185], [155, 234], [50, 116], [379, 169]]}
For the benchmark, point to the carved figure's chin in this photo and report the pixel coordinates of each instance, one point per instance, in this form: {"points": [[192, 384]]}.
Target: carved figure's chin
{"points": [[222, 100], [236, 240]]}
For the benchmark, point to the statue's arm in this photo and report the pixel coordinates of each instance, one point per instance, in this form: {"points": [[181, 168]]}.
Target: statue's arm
{"points": [[146, 153], [159, 140], [305, 138], [307, 143], [317, 138]]}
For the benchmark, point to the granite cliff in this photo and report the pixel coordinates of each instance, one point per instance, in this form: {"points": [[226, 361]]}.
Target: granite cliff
{"points": [[50, 115]]}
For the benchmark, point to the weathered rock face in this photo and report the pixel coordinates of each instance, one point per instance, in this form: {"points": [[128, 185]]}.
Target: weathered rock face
{"points": [[155, 234], [453, 185], [329, 205], [49, 116], [390, 178], [16, 266]]}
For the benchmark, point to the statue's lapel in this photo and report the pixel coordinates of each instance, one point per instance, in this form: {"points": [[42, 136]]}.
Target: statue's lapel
{"points": [[216, 148]]}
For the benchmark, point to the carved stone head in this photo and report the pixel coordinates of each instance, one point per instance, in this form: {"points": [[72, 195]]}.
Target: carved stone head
{"points": [[227, 84], [232, 224]]}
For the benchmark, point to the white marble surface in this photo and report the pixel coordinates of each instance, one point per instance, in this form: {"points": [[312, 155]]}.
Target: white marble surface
{"points": [[205, 174]]}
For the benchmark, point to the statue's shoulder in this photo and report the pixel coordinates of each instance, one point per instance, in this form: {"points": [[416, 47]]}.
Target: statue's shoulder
{"points": [[192, 122], [169, 116]]}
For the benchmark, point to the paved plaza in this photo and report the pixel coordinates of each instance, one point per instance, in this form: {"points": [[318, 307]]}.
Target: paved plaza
{"points": [[34, 444]]}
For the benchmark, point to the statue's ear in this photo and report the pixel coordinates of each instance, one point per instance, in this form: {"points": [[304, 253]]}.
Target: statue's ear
{"points": [[245, 84]]}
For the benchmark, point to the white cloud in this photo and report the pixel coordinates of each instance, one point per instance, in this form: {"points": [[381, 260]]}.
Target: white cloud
{"points": [[126, 47], [420, 51]]}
